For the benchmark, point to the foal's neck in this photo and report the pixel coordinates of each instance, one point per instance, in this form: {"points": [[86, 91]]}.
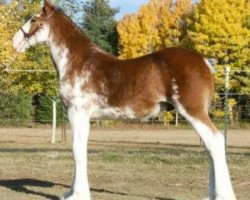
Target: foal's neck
{"points": [[69, 46]]}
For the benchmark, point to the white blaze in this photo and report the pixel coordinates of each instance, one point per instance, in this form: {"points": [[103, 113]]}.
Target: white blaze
{"points": [[21, 44]]}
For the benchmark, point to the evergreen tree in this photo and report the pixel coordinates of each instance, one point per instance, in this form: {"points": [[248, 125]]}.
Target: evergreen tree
{"points": [[2, 2], [72, 9], [100, 25], [15, 108], [44, 110]]}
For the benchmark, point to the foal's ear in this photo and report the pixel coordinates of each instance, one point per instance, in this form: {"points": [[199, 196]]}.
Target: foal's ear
{"points": [[48, 6]]}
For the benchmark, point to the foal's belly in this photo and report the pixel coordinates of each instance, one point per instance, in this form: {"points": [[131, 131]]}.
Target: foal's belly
{"points": [[126, 112]]}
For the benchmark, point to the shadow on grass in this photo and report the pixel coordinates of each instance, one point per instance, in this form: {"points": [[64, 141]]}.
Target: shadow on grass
{"points": [[125, 194], [19, 185]]}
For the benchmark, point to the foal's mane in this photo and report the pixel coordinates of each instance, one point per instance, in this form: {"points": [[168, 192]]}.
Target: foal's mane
{"points": [[61, 20], [67, 32]]}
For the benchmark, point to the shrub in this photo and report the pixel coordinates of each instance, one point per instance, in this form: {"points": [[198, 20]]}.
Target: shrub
{"points": [[168, 116], [15, 109], [44, 110]]}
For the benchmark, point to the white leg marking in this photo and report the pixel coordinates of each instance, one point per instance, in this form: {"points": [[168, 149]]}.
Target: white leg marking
{"points": [[220, 183], [80, 127], [212, 194]]}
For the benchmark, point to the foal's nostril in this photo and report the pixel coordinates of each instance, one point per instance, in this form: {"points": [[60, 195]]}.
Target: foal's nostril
{"points": [[33, 20]]}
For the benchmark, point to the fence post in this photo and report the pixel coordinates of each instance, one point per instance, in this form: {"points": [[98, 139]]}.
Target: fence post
{"points": [[64, 137], [53, 136], [226, 103], [176, 118]]}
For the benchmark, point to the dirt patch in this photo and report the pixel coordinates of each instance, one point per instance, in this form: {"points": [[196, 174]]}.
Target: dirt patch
{"points": [[235, 138]]}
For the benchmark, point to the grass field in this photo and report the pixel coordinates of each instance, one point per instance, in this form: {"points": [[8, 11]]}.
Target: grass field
{"points": [[123, 165]]}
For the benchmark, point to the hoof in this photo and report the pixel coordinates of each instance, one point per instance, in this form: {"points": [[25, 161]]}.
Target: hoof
{"points": [[66, 195], [219, 198], [226, 198], [75, 196]]}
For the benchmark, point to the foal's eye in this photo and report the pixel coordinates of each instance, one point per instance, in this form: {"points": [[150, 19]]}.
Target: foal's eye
{"points": [[33, 20]]}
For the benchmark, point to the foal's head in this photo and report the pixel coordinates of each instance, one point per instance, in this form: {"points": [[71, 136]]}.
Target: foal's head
{"points": [[36, 30]]}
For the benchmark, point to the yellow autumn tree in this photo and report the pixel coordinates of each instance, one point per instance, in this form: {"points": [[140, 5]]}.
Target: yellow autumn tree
{"points": [[7, 29], [219, 29], [173, 22], [158, 24], [14, 14]]}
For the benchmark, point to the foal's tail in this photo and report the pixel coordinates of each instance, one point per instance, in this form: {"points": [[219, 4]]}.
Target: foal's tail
{"points": [[210, 63]]}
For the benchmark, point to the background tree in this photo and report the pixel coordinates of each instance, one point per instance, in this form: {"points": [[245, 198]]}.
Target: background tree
{"points": [[72, 8], [100, 25], [173, 27], [218, 29], [158, 24], [16, 88], [44, 110], [14, 14], [8, 24], [15, 108]]}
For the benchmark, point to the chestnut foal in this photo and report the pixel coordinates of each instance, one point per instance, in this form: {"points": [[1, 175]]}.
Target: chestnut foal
{"points": [[95, 84]]}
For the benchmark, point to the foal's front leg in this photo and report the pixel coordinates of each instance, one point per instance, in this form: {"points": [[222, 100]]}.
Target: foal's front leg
{"points": [[80, 129]]}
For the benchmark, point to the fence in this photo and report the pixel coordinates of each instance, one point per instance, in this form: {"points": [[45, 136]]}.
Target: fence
{"points": [[227, 109]]}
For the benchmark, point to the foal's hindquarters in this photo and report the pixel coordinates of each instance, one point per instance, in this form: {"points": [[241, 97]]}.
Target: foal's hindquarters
{"points": [[192, 92]]}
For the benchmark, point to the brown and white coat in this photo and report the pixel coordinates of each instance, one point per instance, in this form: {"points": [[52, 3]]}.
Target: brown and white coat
{"points": [[95, 84]]}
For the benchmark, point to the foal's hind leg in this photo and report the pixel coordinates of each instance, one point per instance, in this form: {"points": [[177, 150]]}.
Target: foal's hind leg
{"points": [[220, 183]]}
